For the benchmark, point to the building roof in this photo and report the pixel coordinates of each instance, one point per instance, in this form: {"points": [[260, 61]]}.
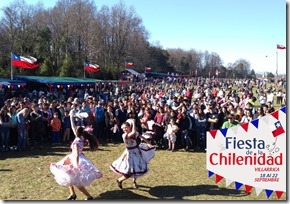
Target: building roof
{"points": [[132, 71]]}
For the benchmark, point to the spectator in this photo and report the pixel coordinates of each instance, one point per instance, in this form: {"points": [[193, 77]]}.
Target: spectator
{"points": [[21, 129], [144, 119], [99, 114], [5, 123], [248, 117], [159, 126], [212, 118], [231, 122], [55, 129], [66, 125], [200, 130], [13, 127], [121, 114], [170, 134], [37, 126], [109, 124], [184, 126]]}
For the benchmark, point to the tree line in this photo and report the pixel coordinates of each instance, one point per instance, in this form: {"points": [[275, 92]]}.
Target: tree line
{"points": [[72, 31]]}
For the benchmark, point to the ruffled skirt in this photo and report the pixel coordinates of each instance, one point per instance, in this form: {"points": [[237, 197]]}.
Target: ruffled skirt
{"points": [[134, 162], [147, 152], [66, 174]]}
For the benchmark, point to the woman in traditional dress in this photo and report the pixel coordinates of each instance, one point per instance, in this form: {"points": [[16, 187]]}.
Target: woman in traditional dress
{"points": [[75, 169], [133, 163]]}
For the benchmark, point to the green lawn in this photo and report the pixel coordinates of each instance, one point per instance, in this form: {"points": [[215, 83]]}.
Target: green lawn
{"points": [[173, 175]]}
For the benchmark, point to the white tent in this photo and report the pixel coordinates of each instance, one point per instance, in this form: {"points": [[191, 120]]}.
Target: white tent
{"points": [[132, 71]]}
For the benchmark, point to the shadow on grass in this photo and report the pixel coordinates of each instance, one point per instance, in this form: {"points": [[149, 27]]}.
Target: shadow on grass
{"points": [[5, 170], [37, 152], [125, 194], [59, 150], [170, 192], [179, 192], [103, 150]]}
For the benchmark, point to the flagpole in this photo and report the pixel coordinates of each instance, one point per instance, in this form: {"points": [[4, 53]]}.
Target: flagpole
{"points": [[11, 69], [276, 81], [84, 71]]}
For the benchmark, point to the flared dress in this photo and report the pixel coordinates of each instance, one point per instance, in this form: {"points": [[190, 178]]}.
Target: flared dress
{"points": [[66, 172], [135, 159]]}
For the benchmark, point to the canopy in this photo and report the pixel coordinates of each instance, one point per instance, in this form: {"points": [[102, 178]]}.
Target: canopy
{"points": [[132, 71], [4, 83], [7, 82], [57, 80]]}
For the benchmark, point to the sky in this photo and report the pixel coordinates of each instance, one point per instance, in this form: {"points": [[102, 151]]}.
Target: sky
{"points": [[234, 29]]}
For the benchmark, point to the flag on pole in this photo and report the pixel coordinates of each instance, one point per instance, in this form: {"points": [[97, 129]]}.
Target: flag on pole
{"points": [[281, 47], [91, 67], [26, 62], [147, 69], [129, 64]]}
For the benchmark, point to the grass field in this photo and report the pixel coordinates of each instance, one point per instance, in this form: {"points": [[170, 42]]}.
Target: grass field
{"points": [[172, 176]]}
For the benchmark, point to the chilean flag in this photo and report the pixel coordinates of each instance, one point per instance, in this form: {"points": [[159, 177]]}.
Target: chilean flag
{"points": [[91, 67], [129, 64], [26, 62], [281, 47], [278, 129], [147, 69]]}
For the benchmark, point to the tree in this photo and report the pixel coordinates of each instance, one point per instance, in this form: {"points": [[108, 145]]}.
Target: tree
{"points": [[123, 35], [270, 75], [252, 74], [158, 59], [241, 68], [212, 61], [67, 68], [17, 31], [46, 68], [74, 31]]}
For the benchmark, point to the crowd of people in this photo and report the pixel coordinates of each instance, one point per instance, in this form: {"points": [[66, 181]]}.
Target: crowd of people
{"points": [[177, 111], [169, 114]]}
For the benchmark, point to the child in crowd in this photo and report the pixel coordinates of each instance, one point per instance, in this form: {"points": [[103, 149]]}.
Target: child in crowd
{"points": [[170, 134], [55, 124]]}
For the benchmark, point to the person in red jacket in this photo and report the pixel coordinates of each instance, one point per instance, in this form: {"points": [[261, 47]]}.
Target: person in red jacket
{"points": [[55, 124]]}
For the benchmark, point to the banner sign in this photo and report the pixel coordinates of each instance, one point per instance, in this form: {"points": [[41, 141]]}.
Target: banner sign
{"points": [[252, 154]]}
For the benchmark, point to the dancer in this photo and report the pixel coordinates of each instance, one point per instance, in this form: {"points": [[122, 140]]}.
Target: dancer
{"points": [[75, 169], [134, 160]]}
